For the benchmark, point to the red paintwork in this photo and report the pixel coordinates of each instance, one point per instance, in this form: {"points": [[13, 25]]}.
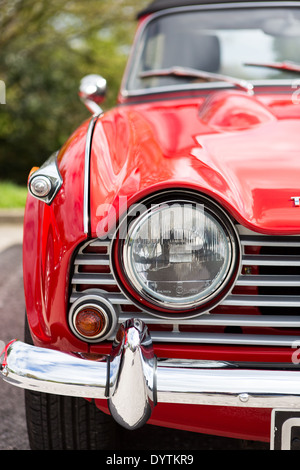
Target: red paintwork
{"points": [[242, 151], [51, 234], [239, 423]]}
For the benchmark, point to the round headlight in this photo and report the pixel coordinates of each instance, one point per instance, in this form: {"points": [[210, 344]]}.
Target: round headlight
{"points": [[179, 255]]}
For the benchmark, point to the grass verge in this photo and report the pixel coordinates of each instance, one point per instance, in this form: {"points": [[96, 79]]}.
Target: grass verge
{"points": [[12, 196]]}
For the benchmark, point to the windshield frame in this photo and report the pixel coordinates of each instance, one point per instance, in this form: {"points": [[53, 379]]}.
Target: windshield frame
{"points": [[125, 92]]}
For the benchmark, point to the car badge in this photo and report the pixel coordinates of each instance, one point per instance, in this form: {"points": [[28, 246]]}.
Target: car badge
{"points": [[296, 200]]}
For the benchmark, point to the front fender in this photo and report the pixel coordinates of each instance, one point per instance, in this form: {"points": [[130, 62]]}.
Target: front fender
{"points": [[51, 234]]}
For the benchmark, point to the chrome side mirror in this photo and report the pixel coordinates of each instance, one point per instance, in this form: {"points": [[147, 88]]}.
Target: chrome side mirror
{"points": [[92, 91]]}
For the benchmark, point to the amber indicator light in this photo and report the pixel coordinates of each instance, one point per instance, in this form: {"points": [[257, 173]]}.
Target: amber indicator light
{"points": [[33, 170], [90, 322]]}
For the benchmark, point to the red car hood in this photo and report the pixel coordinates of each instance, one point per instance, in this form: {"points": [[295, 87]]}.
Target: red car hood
{"points": [[241, 151]]}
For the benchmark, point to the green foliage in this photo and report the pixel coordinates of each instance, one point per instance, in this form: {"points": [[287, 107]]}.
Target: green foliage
{"points": [[12, 196], [45, 50]]}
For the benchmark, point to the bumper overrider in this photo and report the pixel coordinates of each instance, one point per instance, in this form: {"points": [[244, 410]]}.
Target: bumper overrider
{"points": [[133, 380]]}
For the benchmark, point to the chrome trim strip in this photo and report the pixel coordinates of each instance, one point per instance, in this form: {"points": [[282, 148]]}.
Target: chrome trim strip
{"points": [[87, 157], [92, 260], [238, 388], [244, 231], [264, 240], [271, 260], [116, 298], [50, 371], [268, 280], [99, 242], [223, 6], [204, 87], [94, 279], [213, 319], [175, 88], [225, 339], [262, 300]]}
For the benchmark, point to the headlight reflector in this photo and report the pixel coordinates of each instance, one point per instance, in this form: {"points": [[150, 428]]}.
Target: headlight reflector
{"points": [[179, 255]]}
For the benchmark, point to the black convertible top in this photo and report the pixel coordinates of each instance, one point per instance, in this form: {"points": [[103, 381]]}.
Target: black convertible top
{"points": [[158, 5]]}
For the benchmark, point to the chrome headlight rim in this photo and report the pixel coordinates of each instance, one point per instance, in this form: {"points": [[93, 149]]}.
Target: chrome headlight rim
{"points": [[140, 297]]}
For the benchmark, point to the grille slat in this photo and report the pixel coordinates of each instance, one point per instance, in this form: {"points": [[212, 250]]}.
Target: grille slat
{"points": [[225, 339], [268, 280], [263, 308], [93, 279], [114, 298], [264, 240], [274, 321], [266, 260], [262, 301], [92, 259]]}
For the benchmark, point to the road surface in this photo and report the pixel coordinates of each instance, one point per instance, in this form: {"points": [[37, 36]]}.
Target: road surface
{"points": [[13, 434]]}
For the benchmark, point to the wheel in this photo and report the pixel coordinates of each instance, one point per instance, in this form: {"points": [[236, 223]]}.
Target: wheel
{"points": [[66, 423]]}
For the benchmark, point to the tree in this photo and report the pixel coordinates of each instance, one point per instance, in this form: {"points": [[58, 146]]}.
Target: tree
{"points": [[45, 49]]}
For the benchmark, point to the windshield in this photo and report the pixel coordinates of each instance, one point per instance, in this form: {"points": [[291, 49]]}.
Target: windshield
{"points": [[231, 42]]}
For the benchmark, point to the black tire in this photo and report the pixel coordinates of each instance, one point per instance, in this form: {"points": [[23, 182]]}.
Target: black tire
{"points": [[66, 423]]}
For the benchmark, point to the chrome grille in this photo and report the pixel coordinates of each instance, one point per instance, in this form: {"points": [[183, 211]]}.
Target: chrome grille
{"points": [[263, 309]]}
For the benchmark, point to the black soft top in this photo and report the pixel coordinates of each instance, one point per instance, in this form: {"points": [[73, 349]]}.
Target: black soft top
{"points": [[158, 5]]}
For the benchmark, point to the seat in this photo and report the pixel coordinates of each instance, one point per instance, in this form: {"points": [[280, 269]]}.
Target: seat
{"points": [[198, 51]]}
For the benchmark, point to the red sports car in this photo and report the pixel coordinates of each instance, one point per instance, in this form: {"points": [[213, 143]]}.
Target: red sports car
{"points": [[162, 241]]}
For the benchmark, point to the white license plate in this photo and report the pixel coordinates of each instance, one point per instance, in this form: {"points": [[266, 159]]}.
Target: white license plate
{"points": [[285, 430]]}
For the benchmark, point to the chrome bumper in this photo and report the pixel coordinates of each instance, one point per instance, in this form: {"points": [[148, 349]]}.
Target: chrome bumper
{"points": [[133, 380]]}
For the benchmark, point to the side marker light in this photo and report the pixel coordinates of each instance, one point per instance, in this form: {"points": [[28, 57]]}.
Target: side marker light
{"points": [[40, 186], [90, 322]]}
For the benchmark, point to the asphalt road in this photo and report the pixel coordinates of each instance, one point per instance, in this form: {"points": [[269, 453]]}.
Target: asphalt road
{"points": [[13, 434]]}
